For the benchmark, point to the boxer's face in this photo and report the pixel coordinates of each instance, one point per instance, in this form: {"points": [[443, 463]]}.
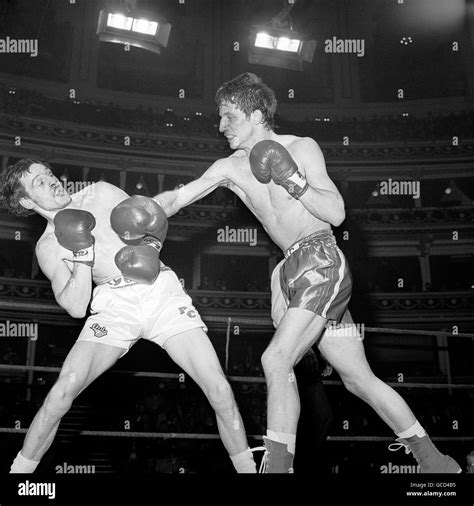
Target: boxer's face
{"points": [[44, 189], [235, 126]]}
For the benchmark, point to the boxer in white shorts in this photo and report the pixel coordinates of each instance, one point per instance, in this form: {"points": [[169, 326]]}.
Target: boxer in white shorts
{"points": [[99, 235], [123, 311]]}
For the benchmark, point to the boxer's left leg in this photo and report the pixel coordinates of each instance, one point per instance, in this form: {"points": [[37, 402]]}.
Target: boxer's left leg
{"points": [[194, 353]]}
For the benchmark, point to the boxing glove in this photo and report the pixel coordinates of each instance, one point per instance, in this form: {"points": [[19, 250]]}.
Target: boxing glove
{"points": [[269, 160], [140, 262], [137, 217], [73, 230]]}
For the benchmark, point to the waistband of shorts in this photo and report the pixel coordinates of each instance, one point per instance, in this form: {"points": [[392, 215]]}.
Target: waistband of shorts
{"points": [[122, 282], [315, 237]]}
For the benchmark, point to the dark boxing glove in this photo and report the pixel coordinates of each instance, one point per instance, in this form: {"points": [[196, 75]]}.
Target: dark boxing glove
{"points": [[141, 222], [138, 216], [269, 160], [140, 262], [73, 230]]}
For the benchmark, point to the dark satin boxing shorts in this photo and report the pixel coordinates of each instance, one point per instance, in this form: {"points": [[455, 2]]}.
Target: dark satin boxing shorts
{"points": [[314, 275]]}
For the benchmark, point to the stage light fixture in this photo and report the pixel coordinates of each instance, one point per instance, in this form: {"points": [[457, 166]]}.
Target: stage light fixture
{"points": [[276, 44], [133, 28], [279, 47]]}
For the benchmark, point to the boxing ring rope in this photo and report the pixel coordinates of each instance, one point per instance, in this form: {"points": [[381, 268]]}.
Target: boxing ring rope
{"points": [[187, 435], [249, 379], [236, 379], [228, 320]]}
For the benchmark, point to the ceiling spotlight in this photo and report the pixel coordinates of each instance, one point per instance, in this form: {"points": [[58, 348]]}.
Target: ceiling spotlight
{"points": [[134, 29], [281, 43], [276, 44], [276, 47]]}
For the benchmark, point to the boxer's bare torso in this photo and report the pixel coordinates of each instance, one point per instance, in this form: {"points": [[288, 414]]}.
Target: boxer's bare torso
{"points": [[283, 217], [98, 199]]}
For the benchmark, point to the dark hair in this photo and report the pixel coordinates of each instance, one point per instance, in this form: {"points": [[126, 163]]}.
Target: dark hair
{"points": [[249, 93], [12, 189]]}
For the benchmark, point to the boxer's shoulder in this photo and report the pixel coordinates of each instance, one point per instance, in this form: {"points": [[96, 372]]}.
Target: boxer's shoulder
{"points": [[220, 171], [237, 159], [99, 198], [47, 244], [103, 189], [293, 142]]}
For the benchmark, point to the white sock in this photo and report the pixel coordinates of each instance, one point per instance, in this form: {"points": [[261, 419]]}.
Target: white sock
{"points": [[244, 463], [283, 437], [23, 465], [415, 430]]}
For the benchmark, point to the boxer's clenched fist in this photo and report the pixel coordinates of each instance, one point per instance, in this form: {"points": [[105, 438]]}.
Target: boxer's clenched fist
{"points": [[73, 230], [141, 222], [269, 160], [140, 262], [138, 216]]}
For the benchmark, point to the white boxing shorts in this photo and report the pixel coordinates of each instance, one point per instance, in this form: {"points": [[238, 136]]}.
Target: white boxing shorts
{"points": [[124, 311]]}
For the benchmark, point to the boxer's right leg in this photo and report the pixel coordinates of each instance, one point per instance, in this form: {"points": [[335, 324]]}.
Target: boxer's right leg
{"points": [[85, 362], [345, 352], [193, 352], [297, 331]]}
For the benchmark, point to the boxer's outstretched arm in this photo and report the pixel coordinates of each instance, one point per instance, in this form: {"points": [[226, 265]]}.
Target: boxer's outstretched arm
{"points": [[72, 288], [173, 201], [322, 199]]}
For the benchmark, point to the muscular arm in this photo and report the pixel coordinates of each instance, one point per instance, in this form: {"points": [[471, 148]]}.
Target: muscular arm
{"points": [[72, 288], [173, 201], [71, 282], [322, 199]]}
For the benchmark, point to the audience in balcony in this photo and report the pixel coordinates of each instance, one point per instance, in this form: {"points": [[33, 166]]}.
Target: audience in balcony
{"points": [[144, 120]]}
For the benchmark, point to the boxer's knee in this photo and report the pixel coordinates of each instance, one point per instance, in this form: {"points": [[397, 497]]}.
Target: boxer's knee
{"points": [[275, 362], [220, 394], [61, 396], [358, 384]]}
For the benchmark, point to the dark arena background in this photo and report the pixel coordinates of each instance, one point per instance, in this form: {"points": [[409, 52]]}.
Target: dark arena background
{"points": [[386, 88]]}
